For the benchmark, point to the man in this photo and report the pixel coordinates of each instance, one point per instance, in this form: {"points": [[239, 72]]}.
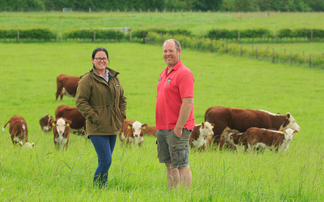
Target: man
{"points": [[174, 116]]}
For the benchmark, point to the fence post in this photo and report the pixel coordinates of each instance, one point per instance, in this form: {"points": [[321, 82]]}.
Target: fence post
{"points": [[311, 35], [211, 45], [184, 42], [94, 36], [272, 55], [240, 50], [225, 46], [239, 36], [130, 35], [256, 52], [310, 60], [161, 39], [17, 36], [196, 44], [290, 57], [143, 36]]}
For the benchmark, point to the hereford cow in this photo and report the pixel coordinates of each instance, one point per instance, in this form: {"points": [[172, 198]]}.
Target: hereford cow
{"points": [[66, 85], [132, 132], [242, 119], [234, 138], [61, 130], [198, 138], [45, 123], [72, 113], [18, 131], [260, 137], [149, 130]]}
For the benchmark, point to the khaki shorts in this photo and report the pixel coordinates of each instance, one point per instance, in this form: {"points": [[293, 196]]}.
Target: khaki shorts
{"points": [[173, 149]]}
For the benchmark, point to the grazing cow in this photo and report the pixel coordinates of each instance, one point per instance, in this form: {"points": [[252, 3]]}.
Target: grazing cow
{"points": [[45, 123], [260, 137], [72, 113], [61, 130], [149, 130], [198, 138], [18, 130], [66, 85], [242, 119], [132, 132], [234, 138]]}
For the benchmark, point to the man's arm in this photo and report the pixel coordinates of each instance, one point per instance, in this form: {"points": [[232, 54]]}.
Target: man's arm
{"points": [[184, 114]]}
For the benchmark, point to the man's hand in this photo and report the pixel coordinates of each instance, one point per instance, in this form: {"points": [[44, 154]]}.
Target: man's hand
{"points": [[178, 131]]}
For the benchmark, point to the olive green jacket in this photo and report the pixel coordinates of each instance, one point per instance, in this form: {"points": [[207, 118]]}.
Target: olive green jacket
{"points": [[102, 104]]}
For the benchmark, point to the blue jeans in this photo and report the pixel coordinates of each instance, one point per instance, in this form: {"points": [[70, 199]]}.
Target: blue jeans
{"points": [[104, 146]]}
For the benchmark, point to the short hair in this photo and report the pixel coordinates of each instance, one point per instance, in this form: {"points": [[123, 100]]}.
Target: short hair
{"points": [[176, 43], [99, 49]]}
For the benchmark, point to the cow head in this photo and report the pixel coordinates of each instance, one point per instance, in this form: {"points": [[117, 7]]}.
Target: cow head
{"points": [[61, 124], [45, 123], [289, 133], [29, 145], [290, 122], [137, 131], [206, 129]]}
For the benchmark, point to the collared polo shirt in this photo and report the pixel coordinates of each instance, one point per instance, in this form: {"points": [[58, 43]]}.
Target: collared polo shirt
{"points": [[171, 89]]}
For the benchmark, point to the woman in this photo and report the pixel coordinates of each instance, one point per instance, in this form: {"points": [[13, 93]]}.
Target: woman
{"points": [[100, 99]]}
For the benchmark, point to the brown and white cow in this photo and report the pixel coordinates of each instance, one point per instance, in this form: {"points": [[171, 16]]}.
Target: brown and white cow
{"points": [[18, 130], [61, 131], [242, 119], [235, 138], [265, 138], [72, 113], [198, 138], [149, 130], [66, 85], [45, 123], [132, 132]]}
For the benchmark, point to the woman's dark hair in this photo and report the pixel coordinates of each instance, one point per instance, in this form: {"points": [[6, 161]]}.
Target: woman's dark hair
{"points": [[99, 49]]}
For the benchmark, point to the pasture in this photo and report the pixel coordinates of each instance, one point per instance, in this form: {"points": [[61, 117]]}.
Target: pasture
{"points": [[28, 86]]}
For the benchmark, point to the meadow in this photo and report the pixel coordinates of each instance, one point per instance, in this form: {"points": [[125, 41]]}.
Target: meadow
{"points": [[28, 86]]}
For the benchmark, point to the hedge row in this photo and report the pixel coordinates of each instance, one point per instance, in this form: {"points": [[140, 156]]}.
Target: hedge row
{"points": [[317, 60], [46, 34]]}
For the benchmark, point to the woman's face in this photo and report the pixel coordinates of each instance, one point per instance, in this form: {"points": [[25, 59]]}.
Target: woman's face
{"points": [[100, 61]]}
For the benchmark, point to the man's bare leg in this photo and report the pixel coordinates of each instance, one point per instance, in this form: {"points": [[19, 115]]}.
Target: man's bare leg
{"points": [[172, 176], [185, 176]]}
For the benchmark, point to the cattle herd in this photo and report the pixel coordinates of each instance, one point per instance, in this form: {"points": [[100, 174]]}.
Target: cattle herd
{"points": [[224, 127]]}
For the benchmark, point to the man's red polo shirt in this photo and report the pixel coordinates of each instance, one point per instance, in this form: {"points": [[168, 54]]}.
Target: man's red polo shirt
{"points": [[171, 89]]}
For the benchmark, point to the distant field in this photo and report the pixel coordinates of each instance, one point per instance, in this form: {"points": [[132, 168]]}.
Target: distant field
{"points": [[43, 174], [193, 21]]}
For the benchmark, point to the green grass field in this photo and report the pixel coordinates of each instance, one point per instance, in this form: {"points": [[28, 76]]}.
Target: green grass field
{"points": [[193, 21], [28, 86]]}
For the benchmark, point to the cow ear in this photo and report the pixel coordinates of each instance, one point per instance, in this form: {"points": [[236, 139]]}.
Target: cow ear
{"points": [[144, 126], [53, 123], [129, 127], [288, 115], [283, 132]]}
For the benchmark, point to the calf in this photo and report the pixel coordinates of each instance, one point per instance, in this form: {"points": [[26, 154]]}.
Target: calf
{"points": [[132, 132], [66, 85], [149, 130], [61, 130], [72, 113], [45, 123], [198, 138], [260, 137], [234, 138], [18, 130]]}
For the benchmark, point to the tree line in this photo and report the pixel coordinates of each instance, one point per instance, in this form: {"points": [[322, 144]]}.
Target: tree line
{"points": [[161, 5]]}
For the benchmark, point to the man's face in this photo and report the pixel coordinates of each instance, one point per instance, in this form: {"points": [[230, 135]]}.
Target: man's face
{"points": [[170, 54]]}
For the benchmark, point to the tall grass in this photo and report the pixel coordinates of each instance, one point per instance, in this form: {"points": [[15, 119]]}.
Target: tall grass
{"points": [[28, 88]]}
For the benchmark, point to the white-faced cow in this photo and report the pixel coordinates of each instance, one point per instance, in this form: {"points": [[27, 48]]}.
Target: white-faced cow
{"points": [[61, 130], [45, 123], [235, 139], [198, 138], [242, 119], [66, 85], [72, 113], [18, 130], [265, 138], [132, 132]]}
